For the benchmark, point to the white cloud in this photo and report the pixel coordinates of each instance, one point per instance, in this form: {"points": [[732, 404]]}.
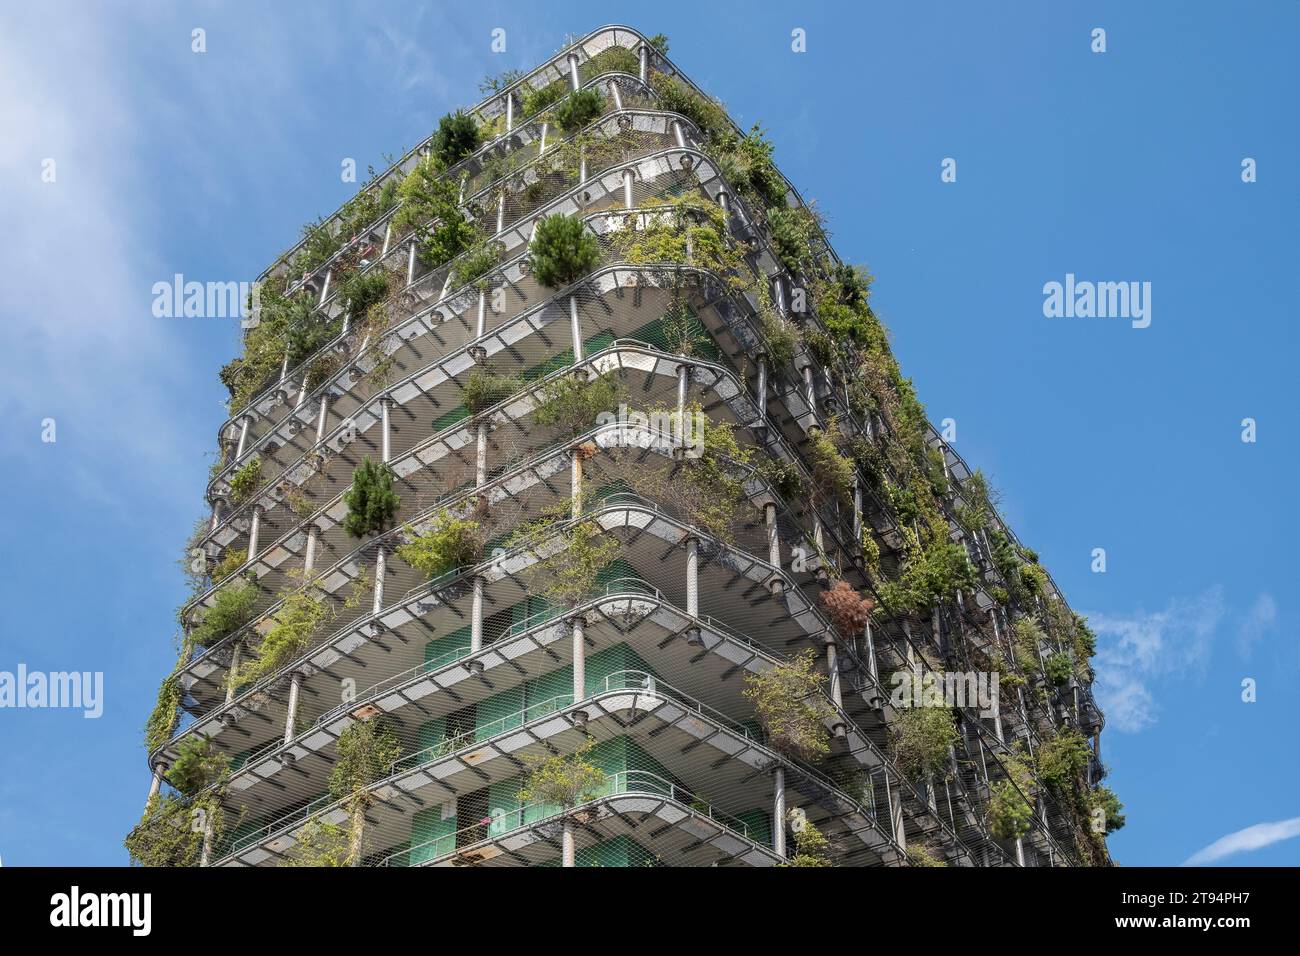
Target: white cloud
{"points": [[1136, 650], [1244, 841], [1259, 620]]}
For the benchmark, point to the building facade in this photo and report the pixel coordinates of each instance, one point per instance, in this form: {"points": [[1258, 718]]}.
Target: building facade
{"points": [[573, 511]]}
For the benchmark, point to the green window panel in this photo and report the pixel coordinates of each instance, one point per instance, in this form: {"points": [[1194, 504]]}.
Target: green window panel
{"points": [[655, 333], [601, 340], [457, 414], [605, 666], [433, 833], [499, 713], [445, 649]]}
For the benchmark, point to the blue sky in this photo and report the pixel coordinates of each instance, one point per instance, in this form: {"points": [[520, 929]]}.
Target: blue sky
{"points": [[1118, 166]]}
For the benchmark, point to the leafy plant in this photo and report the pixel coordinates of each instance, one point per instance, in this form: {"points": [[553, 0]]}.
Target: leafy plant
{"points": [[364, 753], [319, 844], [198, 764], [563, 251], [1104, 799], [921, 738], [922, 856], [789, 703], [231, 561], [569, 575], [573, 402], [578, 109], [457, 136], [1011, 807], [362, 290], [231, 609], [831, 468], [811, 848], [534, 101], [450, 544], [929, 577], [1059, 667], [485, 388], [371, 501], [301, 614], [171, 832], [476, 263], [246, 480], [1062, 760], [564, 779]]}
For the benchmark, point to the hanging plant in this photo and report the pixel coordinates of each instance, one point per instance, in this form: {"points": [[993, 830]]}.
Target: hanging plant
{"points": [[301, 615], [921, 738], [246, 480], [789, 703], [371, 501], [451, 543]]}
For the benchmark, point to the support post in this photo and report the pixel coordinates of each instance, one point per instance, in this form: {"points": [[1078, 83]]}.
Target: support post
{"points": [[567, 844], [480, 455], [896, 814], [773, 544], [476, 617], [693, 576], [574, 79], [324, 416], [778, 812], [579, 660], [295, 685], [510, 112], [643, 62], [410, 263], [833, 670], [385, 447], [575, 483], [155, 783], [381, 567], [575, 327], [309, 559], [762, 390], [243, 437], [628, 201], [236, 653], [254, 531]]}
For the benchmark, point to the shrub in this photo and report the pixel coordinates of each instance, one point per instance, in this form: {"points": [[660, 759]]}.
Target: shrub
{"points": [[929, 577], [569, 576], [485, 388], [301, 614], [1011, 808], [534, 101], [371, 501], [921, 738], [231, 609], [578, 109], [1026, 637], [563, 251], [923, 856], [231, 561], [198, 764], [811, 848], [450, 544], [318, 844], [778, 334], [677, 97], [573, 402], [161, 724], [1059, 667], [788, 702], [246, 480], [792, 231], [457, 136], [362, 290], [564, 779], [831, 468], [1104, 799], [849, 611], [1033, 578], [1062, 759], [365, 752], [476, 263], [171, 831]]}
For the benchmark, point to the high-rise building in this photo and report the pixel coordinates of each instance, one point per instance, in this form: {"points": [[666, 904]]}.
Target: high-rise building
{"points": [[572, 509]]}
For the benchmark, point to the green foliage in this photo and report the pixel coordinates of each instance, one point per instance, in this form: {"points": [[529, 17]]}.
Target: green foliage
{"points": [[231, 609], [746, 163], [231, 561], [198, 765], [450, 544], [1062, 760], [246, 480], [365, 752], [170, 833], [831, 468], [569, 575], [660, 42], [1026, 638], [371, 501], [1011, 807], [431, 211], [318, 844], [564, 779], [1104, 798], [922, 856], [476, 263], [161, 724], [578, 109], [563, 251], [485, 388], [1059, 667], [792, 230], [929, 577], [677, 97], [789, 703], [362, 290], [573, 402], [534, 101], [301, 615], [779, 336], [811, 848], [457, 136], [1033, 578], [688, 231], [921, 738]]}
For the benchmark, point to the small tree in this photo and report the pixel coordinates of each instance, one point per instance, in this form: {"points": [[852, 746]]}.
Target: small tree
{"points": [[922, 738], [173, 828], [198, 764], [366, 750], [578, 109], [485, 388], [456, 138], [564, 779], [371, 501], [319, 844], [569, 576], [451, 543], [788, 702], [573, 402], [563, 251], [811, 848], [232, 608], [301, 614], [1011, 801]]}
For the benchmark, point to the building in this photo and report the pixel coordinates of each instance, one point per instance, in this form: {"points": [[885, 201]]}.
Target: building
{"points": [[572, 511]]}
